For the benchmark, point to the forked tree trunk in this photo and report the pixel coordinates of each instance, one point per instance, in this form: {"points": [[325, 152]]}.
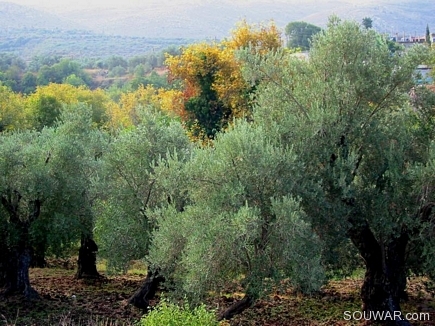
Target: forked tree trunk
{"points": [[87, 261], [237, 308], [385, 277], [141, 299]]}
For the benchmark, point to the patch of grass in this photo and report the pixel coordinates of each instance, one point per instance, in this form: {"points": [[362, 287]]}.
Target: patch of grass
{"points": [[137, 267], [102, 265]]}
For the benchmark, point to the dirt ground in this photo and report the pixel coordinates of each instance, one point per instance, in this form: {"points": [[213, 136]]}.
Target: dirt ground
{"points": [[67, 301]]}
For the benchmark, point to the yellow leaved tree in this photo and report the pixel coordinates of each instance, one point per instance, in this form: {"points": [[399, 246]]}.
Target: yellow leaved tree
{"points": [[12, 115], [46, 103], [125, 112], [214, 91]]}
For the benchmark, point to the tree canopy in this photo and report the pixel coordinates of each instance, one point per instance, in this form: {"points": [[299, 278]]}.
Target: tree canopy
{"points": [[347, 115], [299, 34], [313, 167], [213, 87]]}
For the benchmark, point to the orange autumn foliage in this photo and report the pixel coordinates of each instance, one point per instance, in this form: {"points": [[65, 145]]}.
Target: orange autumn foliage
{"points": [[216, 63]]}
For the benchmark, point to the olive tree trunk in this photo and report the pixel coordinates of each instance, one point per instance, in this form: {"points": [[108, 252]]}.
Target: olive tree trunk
{"points": [[87, 261], [18, 255], [385, 278], [18, 258]]}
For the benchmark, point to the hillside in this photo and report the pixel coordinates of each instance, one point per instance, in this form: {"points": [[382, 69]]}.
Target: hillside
{"points": [[75, 29], [29, 42], [214, 19], [28, 32], [13, 16]]}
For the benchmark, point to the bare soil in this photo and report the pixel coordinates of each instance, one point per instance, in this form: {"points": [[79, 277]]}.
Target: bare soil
{"points": [[68, 301]]}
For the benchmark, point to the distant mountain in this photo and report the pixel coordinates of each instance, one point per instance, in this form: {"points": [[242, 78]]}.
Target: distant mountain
{"points": [[214, 19], [130, 25], [28, 32], [202, 19], [13, 16]]}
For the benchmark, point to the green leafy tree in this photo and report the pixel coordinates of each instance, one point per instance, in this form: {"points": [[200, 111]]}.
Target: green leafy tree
{"points": [[132, 186], [117, 71], [123, 225], [116, 61], [299, 34], [367, 22], [45, 76], [74, 80], [239, 219], [38, 61], [58, 72], [28, 83], [44, 176], [346, 113]]}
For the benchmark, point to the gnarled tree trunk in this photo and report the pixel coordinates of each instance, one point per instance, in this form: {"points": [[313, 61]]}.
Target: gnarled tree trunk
{"points": [[19, 251], [141, 299], [19, 258], [385, 277], [87, 261], [17, 273]]}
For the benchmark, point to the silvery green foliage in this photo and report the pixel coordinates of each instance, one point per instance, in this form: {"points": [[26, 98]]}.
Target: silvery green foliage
{"points": [[240, 219], [345, 111], [54, 166], [297, 245], [130, 186], [425, 240], [23, 168]]}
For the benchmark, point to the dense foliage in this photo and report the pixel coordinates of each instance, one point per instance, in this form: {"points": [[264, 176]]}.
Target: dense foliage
{"points": [[303, 166], [300, 34]]}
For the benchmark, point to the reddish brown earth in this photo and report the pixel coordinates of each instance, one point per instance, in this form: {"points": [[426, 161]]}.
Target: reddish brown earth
{"points": [[67, 301]]}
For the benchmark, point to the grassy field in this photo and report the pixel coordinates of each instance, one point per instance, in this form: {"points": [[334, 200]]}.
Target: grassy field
{"points": [[67, 301]]}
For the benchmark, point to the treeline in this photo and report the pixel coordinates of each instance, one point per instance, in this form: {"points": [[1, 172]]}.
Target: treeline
{"points": [[127, 74], [255, 164], [30, 42]]}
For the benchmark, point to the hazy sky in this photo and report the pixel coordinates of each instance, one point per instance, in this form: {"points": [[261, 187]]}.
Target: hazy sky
{"points": [[79, 3], [129, 3], [72, 4]]}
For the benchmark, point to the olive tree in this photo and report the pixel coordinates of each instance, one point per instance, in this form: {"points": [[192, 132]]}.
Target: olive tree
{"points": [[44, 176], [239, 218], [346, 113], [131, 187]]}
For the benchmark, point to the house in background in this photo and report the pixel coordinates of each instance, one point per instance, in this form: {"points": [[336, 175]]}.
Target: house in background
{"points": [[409, 40]]}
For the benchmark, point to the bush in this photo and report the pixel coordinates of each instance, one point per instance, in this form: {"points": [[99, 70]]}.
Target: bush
{"points": [[171, 314]]}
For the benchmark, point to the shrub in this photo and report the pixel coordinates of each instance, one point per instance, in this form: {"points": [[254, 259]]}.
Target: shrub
{"points": [[171, 314]]}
